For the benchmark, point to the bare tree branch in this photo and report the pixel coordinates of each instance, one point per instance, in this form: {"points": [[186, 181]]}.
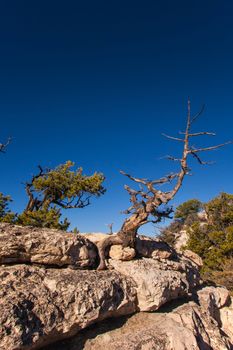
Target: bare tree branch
{"points": [[142, 181], [199, 159], [146, 204], [33, 202], [209, 148], [173, 138], [173, 158], [202, 133], [194, 118]]}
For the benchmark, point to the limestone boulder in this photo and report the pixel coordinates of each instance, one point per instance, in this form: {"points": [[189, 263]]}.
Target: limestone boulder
{"points": [[43, 305], [226, 318], [25, 244], [181, 239], [175, 327], [153, 248], [95, 237], [146, 247], [57, 299], [158, 282], [195, 258], [117, 252], [211, 296], [218, 303], [40, 306]]}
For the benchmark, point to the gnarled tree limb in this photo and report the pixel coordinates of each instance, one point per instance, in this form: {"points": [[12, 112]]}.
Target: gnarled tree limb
{"points": [[147, 201]]}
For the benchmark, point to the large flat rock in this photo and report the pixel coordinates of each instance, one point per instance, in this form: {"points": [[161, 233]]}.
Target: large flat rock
{"points": [[39, 306], [42, 305], [188, 326], [25, 244], [158, 282]]}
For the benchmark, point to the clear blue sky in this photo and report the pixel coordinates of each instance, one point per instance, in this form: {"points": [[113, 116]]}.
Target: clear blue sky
{"points": [[97, 82]]}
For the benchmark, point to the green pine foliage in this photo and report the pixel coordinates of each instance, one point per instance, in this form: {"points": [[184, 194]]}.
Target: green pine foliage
{"points": [[220, 210], [185, 215], [6, 215], [63, 186], [44, 217], [188, 210], [214, 241], [53, 190], [168, 233]]}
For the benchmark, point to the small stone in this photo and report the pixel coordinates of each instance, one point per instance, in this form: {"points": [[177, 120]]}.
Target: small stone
{"points": [[193, 257], [117, 252]]}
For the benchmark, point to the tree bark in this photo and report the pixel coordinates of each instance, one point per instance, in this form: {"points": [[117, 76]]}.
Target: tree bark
{"points": [[125, 237]]}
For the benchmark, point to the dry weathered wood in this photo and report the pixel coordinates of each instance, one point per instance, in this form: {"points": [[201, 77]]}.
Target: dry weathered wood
{"points": [[150, 202], [110, 226], [33, 203]]}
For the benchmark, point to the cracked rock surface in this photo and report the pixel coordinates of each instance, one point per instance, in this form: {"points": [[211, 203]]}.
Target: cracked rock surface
{"points": [[50, 292], [40, 306], [186, 325]]}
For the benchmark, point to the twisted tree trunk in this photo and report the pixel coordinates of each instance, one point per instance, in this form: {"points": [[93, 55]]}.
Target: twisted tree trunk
{"points": [[147, 201], [125, 237]]}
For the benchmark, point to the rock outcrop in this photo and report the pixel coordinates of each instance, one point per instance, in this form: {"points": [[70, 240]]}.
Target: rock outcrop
{"points": [[158, 282], [45, 246], [39, 306], [153, 248], [196, 259], [50, 291], [188, 326], [117, 252], [226, 318], [181, 239]]}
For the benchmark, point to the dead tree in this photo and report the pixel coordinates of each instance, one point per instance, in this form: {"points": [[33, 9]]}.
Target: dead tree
{"points": [[148, 204], [110, 226]]}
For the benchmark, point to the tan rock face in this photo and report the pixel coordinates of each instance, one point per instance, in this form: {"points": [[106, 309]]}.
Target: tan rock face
{"points": [[153, 248], [217, 303], [45, 246], [213, 297], [185, 327], [226, 317], [195, 258], [117, 252], [158, 282], [181, 240], [40, 306], [94, 237]]}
